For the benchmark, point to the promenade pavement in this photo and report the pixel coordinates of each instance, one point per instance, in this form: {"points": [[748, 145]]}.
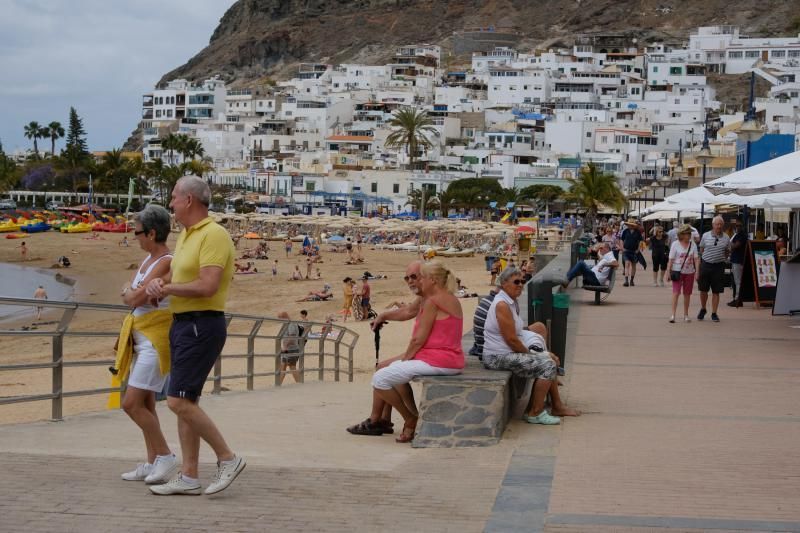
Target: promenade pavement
{"points": [[686, 427]]}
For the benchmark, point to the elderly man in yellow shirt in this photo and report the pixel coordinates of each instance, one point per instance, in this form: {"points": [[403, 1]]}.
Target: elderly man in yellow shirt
{"points": [[200, 274]]}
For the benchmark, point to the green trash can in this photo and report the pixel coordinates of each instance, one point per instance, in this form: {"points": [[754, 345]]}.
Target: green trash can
{"points": [[558, 326]]}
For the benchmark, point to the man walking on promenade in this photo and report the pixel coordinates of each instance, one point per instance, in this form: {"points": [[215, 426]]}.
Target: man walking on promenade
{"points": [[715, 246], [200, 274], [630, 239]]}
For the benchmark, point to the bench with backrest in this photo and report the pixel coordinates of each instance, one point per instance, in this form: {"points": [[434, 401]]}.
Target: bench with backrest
{"points": [[602, 289]]}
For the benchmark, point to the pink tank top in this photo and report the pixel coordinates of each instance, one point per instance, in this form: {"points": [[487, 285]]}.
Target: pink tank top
{"points": [[442, 349]]}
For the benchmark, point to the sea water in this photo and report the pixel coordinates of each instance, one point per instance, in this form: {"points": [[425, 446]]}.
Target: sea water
{"points": [[21, 282]]}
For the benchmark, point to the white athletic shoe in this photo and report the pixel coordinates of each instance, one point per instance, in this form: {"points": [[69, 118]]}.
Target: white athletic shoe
{"points": [[177, 486], [226, 473], [164, 468], [141, 472]]}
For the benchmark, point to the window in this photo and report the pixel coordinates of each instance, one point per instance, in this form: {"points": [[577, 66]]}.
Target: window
{"points": [[735, 55], [373, 187], [604, 139], [676, 70], [310, 186], [779, 53], [750, 54], [655, 69], [794, 53], [396, 188], [588, 134]]}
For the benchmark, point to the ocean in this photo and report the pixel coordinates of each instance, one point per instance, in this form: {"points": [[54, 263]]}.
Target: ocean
{"points": [[20, 282]]}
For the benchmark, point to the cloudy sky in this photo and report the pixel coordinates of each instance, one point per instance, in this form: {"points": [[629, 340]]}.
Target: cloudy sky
{"points": [[99, 56]]}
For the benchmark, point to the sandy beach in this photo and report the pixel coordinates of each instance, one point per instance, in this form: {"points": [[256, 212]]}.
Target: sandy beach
{"points": [[100, 267]]}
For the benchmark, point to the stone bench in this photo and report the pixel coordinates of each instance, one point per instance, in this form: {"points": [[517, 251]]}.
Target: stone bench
{"points": [[469, 409]]}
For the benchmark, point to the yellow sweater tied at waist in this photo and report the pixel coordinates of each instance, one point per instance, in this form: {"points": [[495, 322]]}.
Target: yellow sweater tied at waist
{"points": [[155, 326]]}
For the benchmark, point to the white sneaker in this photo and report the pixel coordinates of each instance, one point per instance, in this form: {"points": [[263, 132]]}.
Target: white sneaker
{"points": [[141, 472], [226, 473], [164, 468], [177, 486]]}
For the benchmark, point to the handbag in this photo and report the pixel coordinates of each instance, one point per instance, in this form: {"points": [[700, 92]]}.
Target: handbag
{"points": [[675, 275]]}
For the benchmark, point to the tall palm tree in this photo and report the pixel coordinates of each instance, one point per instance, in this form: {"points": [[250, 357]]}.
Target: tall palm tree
{"points": [[154, 171], [114, 168], [543, 194], [411, 129], [33, 130], [192, 148], [417, 201], [592, 189], [55, 131]]}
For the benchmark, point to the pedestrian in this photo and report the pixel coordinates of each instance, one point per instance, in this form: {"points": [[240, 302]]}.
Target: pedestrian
{"points": [[23, 251], [290, 349], [145, 335], [630, 239], [684, 261], [347, 288], [366, 292], [715, 247], [287, 244], [309, 263], [495, 270], [197, 284], [738, 249], [274, 270], [39, 294], [659, 253]]}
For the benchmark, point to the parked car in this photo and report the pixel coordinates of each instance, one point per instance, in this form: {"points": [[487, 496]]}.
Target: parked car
{"points": [[8, 204], [53, 205]]}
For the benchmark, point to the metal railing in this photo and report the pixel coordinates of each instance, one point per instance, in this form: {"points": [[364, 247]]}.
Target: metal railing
{"points": [[250, 338]]}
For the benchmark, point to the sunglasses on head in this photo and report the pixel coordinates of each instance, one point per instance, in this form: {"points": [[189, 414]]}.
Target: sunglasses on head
{"points": [[408, 278]]}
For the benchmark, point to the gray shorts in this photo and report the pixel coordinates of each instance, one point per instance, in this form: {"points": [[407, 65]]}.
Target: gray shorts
{"points": [[526, 365], [290, 358]]}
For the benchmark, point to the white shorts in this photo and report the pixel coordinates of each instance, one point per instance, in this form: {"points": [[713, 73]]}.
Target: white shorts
{"points": [[533, 341], [145, 371], [401, 372]]}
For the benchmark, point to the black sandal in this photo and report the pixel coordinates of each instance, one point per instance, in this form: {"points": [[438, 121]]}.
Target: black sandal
{"points": [[366, 428], [386, 426]]}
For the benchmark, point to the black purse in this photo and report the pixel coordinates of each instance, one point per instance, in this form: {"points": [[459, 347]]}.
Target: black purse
{"points": [[675, 275]]}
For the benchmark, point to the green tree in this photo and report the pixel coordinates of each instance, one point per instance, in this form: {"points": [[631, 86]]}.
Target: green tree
{"points": [[114, 170], [9, 175], [411, 130], [544, 195], [76, 135], [34, 131], [55, 131], [591, 190], [192, 148], [417, 201]]}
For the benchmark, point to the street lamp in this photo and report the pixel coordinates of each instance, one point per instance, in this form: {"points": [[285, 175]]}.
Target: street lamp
{"points": [[679, 171], [750, 132], [704, 157], [654, 186]]}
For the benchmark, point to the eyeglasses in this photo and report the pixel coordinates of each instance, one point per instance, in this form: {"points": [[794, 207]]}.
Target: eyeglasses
{"points": [[518, 282], [137, 233], [409, 278]]}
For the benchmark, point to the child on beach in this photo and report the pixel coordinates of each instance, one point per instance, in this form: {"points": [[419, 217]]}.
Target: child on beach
{"points": [[274, 270], [23, 251]]}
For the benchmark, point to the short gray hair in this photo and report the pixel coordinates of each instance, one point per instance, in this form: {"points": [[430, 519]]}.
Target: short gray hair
{"points": [[506, 274], [196, 187], [154, 218]]}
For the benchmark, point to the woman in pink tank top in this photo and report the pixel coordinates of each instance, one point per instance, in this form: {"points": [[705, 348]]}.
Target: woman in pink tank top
{"points": [[434, 349]]}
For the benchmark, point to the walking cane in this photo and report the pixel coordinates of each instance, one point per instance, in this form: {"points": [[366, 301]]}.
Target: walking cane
{"points": [[378, 343]]}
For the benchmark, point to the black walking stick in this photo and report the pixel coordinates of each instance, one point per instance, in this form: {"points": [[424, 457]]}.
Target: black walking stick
{"points": [[378, 342]]}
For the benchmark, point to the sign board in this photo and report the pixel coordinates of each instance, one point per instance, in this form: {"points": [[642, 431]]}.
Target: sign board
{"points": [[760, 277], [787, 294]]}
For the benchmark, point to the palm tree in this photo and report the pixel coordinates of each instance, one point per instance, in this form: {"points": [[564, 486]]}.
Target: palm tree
{"points": [[410, 129], [55, 131], [136, 168], [543, 194], [192, 148], [416, 199], [593, 189], [114, 168], [154, 171], [198, 167], [34, 131]]}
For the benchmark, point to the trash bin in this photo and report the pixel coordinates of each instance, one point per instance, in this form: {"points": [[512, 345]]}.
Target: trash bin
{"points": [[540, 298], [558, 326]]}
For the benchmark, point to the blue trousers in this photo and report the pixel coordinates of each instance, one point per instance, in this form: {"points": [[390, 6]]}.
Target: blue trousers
{"points": [[582, 269]]}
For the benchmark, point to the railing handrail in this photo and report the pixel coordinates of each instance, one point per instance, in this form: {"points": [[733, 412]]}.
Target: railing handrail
{"points": [[343, 337]]}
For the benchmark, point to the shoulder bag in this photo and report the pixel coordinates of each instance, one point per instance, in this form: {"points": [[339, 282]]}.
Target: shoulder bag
{"points": [[675, 275]]}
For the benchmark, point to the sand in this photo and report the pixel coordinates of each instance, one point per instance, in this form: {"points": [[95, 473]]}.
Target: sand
{"points": [[101, 267]]}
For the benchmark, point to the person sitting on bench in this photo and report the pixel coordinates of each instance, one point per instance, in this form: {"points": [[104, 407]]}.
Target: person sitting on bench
{"points": [[597, 275]]}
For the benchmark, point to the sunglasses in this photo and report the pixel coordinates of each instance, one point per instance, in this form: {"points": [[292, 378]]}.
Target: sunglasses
{"points": [[518, 282], [716, 240], [410, 278]]}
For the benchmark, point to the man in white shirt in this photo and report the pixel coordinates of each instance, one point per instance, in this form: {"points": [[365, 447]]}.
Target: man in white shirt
{"points": [[596, 275]]}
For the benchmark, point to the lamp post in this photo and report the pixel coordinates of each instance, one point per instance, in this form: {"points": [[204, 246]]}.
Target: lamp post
{"points": [[664, 178], [704, 157], [654, 186], [679, 170], [750, 132]]}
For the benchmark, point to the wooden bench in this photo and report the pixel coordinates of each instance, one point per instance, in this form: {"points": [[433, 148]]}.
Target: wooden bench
{"points": [[602, 289], [469, 409]]}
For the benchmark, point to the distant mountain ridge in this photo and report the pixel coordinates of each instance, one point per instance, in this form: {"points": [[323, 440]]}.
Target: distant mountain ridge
{"points": [[258, 38]]}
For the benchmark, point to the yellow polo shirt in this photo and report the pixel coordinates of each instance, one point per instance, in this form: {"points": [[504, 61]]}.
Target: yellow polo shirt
{"points": [[204, 244]]}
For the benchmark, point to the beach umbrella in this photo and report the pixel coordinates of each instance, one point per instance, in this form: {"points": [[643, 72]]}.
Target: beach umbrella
{"points": [[777, 175]]}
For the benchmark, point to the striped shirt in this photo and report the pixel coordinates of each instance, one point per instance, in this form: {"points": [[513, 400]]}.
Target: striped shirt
{"points": [[479, 321], [714, 248]]}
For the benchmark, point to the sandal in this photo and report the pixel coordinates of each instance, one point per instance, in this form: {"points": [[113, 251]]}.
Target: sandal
{"points": [[367, 427], [405, 437], [386, 426]]}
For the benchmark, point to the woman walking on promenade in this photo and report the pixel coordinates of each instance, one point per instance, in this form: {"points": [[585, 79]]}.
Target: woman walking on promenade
{"points": [[684, 262], [143, 348], [658, 248]]}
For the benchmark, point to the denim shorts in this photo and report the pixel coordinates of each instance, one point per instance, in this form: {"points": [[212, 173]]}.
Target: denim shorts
{"points": [[195, 345]]}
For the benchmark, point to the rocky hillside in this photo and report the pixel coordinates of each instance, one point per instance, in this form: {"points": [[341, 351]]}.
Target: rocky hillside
{"points": [[259, 38]]}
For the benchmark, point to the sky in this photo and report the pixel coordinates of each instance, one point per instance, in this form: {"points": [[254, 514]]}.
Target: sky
{"points": [[98, 56]]}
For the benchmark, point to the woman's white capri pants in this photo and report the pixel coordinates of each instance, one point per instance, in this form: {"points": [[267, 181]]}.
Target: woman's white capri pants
{"points": [[401, 372]]}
